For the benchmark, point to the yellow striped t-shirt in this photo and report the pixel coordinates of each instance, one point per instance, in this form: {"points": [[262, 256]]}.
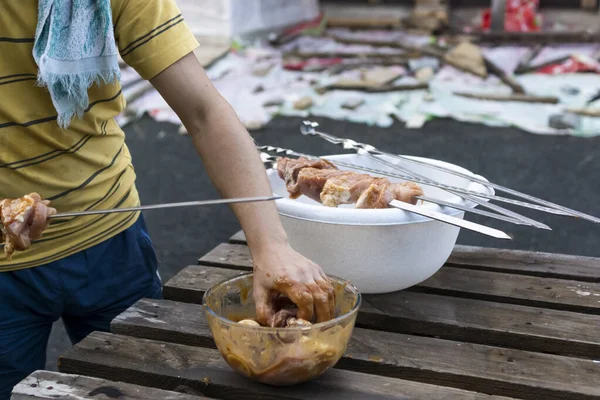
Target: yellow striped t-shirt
{"points": [[88, 165]]}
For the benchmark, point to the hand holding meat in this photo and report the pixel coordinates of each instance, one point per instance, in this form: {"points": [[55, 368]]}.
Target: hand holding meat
{"points": [[321, 181], [283, 275], [23, 220]]}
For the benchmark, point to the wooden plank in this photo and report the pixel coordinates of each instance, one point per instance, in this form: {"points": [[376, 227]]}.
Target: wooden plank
{"points": [[498, 324], [54, 385], [559, 266], [558, 294], [238, 238], [182, 287], [485, 369], [533, 291], [468, 320], [167, 365]]}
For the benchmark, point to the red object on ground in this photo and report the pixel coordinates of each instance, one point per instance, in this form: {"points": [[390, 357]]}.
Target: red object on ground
{"points": [[296, 29], [521, 16], [312, 63], [575, 63]]}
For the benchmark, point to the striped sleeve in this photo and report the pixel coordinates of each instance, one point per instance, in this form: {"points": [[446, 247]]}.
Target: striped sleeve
{"points": [[151, 34]]}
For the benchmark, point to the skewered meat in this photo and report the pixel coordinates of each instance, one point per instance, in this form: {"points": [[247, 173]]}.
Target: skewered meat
{"points": [[288, 170], [321, 181], [23, 220]]}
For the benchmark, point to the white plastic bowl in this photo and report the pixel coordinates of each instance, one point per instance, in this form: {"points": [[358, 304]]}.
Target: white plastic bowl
{"points": [[381, 250]]}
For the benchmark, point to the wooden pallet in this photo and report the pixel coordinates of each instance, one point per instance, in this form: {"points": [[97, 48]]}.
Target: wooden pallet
{"points": [[490, 324], [54, 385]]}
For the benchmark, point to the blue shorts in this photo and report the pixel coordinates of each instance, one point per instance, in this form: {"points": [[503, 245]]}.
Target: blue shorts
{"points": [[87, 290]]}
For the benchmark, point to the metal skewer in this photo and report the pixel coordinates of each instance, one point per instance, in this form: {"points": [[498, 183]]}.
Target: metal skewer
{"points": [[508, 213], [472, 210], [309, 128], [361, 148], [450, 220], [496, 233], [167, 205], [426, 181]]}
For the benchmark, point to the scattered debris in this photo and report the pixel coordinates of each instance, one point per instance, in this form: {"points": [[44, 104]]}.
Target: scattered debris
{"points": [[563, 121], [586, 112], [425, 74], [379, 22], [353, 104], [389, 75], [263, 70], [365, 87], [429, 15], [467, 57], [504, 77], [416, 121], [512, 97], [303, 103], [570, 90]]}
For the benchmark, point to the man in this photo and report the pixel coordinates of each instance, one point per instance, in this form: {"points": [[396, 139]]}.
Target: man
{"points": [[89, 269]]}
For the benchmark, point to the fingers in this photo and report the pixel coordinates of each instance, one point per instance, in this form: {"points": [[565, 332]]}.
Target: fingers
{"points": [[263, 299], [300, 295], [327, 288], [321, 303]]}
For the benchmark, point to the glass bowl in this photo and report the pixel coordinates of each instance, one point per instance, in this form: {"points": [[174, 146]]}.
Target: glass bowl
{"points": [[277, 356]]}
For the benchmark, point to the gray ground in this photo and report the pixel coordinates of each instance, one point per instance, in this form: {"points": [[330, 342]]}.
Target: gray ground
{"points": [[561, 169]]}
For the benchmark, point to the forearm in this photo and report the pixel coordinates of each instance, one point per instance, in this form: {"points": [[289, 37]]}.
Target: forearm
{"points": [[228, 151], [235, 168]]}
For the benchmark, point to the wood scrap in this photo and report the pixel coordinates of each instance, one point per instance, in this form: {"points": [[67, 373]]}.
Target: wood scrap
{"points": [[370, 80], [585, 112], [332, 54], [370, 89], [504, 77], [353, 104], [425, 74], [369, 62], [530, 38], [467, 57], [262, 71], [370, 42], [525, 62], [512, 97], [428, 19], [303, 103], [532, 68], [564, 121], [380, 76], [374, 22]]}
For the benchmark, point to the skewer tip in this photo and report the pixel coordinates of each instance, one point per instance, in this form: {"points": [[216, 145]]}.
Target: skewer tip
{"points": [[308, 127]]}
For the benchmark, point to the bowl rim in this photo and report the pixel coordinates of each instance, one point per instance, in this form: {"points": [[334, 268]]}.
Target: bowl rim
{"points": [[316, 213], [325, 324]]}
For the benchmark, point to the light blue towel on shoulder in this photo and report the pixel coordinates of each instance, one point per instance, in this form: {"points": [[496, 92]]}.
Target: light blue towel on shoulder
{"points": [[74, 48]]}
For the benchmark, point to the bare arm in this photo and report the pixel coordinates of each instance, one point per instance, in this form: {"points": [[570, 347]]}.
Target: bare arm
{"points": [[235, 168], [227, 149]]}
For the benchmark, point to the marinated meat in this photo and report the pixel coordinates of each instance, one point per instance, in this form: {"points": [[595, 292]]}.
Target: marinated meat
{"points": [[347, 189], [322, 181], [311, 181], [285, 310], [379, 194], [289, 168], [23, 220]]}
